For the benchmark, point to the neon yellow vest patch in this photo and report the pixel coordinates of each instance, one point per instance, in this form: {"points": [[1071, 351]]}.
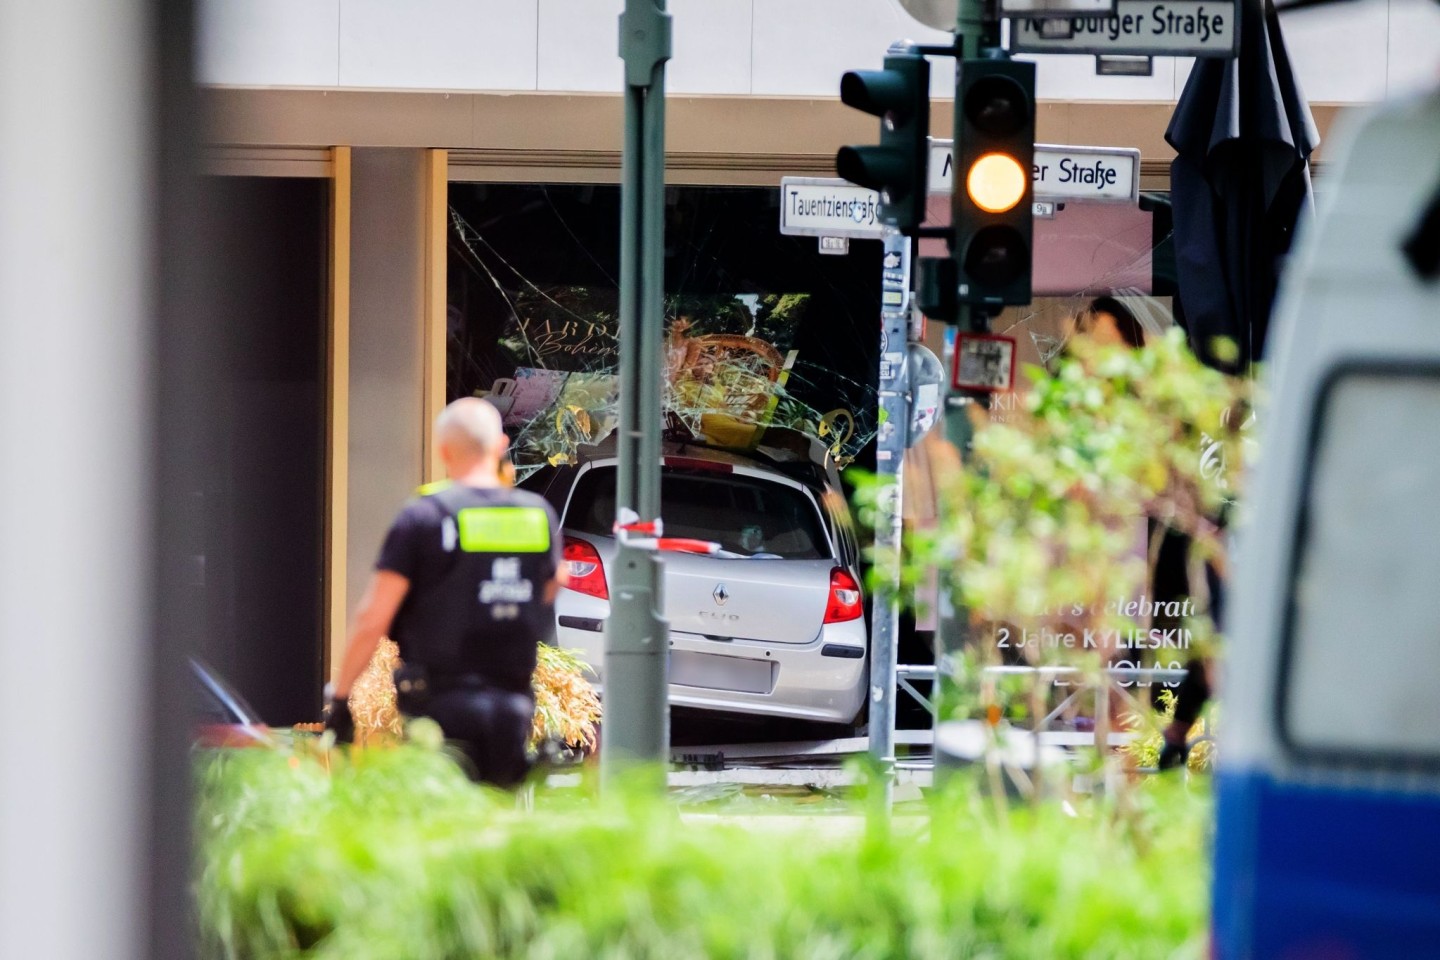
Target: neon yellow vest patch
{"points": [[504, 530]]}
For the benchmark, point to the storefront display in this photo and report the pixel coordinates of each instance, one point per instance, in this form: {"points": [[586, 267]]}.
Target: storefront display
{"points": [[758, 333]]}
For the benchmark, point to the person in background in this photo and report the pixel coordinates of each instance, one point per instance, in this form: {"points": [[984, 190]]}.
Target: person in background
{"points": [[1108, 321], [465, 584]]}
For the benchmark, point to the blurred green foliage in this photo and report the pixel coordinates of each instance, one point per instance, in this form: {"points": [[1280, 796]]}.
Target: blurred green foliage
{"points": [[1041, 523], [392, 855]]}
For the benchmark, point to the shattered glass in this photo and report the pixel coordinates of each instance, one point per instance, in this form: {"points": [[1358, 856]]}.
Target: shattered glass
{"points": [[1084, 255], [1047, 346], [736, 363], [761, 332]]}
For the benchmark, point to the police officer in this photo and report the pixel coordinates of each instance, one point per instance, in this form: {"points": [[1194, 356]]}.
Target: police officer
{"points": [[465, 585]]}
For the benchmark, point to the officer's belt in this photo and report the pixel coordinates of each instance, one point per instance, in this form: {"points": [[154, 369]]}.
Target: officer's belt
{"points": [[443, 682]]}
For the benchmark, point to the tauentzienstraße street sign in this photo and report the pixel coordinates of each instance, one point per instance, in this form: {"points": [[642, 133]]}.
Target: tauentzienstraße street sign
{"points": [[1107, 174], [1156, 28], [827, 207]]}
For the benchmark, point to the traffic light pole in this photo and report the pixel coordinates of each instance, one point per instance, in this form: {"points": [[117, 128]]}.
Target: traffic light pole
{"points": [[952, 631], [973, 29], [636, 728], [989, 264], [975, 32], [890, 447]]}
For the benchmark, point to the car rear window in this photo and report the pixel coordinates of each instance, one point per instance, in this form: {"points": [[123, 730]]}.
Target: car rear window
{"points": [[745, 515]]}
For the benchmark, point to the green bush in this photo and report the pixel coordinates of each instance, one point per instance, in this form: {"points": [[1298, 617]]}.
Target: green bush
{"points": [[1040, 524], [394, 855]]}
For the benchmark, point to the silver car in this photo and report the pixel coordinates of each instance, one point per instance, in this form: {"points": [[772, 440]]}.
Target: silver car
{"points": [[771, 624]]}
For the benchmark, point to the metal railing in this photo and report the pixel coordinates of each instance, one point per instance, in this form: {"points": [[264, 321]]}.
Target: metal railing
{"points": [[1114, 680]]}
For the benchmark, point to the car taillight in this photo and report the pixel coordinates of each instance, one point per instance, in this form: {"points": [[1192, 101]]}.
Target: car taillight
{"points": [[844, 601], [587, 573]]}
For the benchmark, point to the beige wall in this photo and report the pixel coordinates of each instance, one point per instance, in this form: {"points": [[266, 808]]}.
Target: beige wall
{"points": [[1349, 52], [387, 290], [709, 140]]}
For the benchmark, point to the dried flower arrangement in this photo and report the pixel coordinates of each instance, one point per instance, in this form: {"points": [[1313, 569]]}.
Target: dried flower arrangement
{"points": [[566, 705]]}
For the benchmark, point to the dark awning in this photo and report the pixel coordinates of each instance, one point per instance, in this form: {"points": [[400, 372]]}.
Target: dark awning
{"points": [[1243, 134]]}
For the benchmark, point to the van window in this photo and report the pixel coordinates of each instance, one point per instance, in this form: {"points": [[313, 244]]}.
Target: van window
{"points": [[1363, 650], [745, 515]]}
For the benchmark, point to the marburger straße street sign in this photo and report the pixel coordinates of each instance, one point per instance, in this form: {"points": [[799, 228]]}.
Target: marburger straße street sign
{"points": [[1107, 174], [827, 207], [1171, 28]]}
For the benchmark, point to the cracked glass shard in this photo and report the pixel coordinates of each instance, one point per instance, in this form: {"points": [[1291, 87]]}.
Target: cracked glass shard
{"points": [[731, 369]]}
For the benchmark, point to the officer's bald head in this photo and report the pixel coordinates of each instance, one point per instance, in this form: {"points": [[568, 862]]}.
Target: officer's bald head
{"points": [[469, 431]]}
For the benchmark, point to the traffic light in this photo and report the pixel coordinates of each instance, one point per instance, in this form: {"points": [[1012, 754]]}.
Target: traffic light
{"points": [[994, 157], [900, 96]]}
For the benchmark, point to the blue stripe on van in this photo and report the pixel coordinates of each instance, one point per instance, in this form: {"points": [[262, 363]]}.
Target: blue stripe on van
{"points": [[1324, 873]]}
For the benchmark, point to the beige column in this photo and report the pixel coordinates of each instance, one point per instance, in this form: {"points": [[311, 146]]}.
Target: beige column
{"points": [[388, 298], [337, 412], [437, 218]]}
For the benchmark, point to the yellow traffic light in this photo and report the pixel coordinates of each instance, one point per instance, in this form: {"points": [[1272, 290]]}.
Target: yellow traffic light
{"points": [[996, 182]]}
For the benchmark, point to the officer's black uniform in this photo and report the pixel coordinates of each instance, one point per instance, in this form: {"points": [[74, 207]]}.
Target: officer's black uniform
{"points": [[478, 562]]}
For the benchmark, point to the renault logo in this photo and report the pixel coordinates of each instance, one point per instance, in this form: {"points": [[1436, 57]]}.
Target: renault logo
{"points": [[721, 594]]}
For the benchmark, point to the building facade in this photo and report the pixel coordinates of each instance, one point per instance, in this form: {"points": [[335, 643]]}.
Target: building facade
{"points": [[402, 175]]}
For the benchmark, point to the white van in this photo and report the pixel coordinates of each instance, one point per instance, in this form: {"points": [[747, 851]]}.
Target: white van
{"points": [[1328, 832]]}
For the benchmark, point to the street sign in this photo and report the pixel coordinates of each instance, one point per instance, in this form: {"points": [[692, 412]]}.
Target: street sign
{"points": [[1107, 174], [828, 207], [831, 208], [835, 246], [1111, 174], [1173, 28], [983, 362]]}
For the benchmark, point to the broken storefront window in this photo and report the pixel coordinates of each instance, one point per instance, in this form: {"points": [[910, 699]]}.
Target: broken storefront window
{"points": [[540, 340]]}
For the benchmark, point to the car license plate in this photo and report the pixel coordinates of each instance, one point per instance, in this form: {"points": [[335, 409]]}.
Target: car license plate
{"points": [[715, 672]]}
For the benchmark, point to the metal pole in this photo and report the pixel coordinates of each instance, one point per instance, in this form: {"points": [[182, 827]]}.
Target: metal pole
{"points": [[977, 27], [185, 344], [953, 627], [636, 725], [889, 464]]}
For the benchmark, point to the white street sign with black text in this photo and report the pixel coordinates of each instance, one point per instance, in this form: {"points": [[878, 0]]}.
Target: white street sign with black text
{"points": [[1109, 174], [827, 207], [1176, 28]]}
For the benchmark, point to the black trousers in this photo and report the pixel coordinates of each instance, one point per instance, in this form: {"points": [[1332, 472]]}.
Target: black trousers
{"points": [[491, 727]]}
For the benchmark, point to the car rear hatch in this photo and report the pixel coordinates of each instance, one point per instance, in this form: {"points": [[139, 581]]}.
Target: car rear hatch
{"points": [[770, 582], [778, 601]]}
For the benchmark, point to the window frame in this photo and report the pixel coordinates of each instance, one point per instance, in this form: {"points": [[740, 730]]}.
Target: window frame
{"points": [[1305, 753]]}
